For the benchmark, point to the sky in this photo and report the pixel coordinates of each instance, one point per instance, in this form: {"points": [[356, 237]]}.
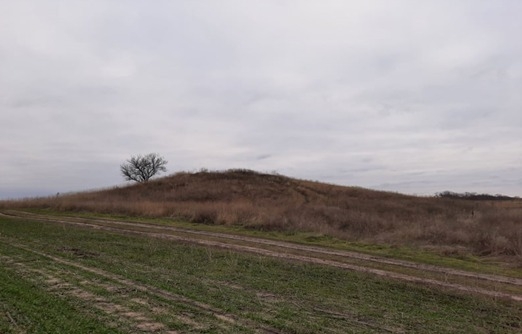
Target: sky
{"points": [[409, 96]]}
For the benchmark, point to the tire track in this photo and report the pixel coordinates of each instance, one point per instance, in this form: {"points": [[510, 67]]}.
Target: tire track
{"points": [[61, 283], [314, 255], [282, 244], [142, 322]]}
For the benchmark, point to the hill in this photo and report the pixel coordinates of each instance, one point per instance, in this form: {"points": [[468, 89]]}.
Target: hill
{"points": [[278, 203]]}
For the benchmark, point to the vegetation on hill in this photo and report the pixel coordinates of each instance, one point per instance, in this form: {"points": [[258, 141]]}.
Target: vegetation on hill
{"points": [[477, 197], [278, 203]]}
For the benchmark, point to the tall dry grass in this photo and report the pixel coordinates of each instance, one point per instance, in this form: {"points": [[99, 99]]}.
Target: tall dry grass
{"points": [[274, 202]]}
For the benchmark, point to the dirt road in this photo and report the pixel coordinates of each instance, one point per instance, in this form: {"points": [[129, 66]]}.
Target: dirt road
{"points": [[440, 277]]}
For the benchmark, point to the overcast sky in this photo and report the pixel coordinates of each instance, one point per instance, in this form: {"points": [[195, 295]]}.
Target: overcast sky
{"points": [[405, 95]]}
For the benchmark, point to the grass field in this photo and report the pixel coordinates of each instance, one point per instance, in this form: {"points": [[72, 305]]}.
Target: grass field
{"points": [[64, 277]]}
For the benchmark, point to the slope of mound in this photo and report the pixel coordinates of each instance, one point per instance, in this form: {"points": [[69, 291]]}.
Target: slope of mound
{"points": [[244, 185], [275, 202]]}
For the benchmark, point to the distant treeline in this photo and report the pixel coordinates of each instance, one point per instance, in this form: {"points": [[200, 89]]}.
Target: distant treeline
{"points": [[475, 196]]}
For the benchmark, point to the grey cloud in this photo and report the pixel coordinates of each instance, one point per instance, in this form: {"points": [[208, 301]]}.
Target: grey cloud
{"points": [[263, 156], [407, 96]]}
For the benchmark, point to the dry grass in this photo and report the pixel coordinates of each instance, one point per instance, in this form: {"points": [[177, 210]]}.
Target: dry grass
{"points": [[274, 202]]}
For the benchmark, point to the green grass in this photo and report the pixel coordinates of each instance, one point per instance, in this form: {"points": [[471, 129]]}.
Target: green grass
{"points": [[26, 308], [288, 296]]}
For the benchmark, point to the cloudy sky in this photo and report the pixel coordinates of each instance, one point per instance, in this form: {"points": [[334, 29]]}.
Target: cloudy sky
{"points": [[405, 95]]}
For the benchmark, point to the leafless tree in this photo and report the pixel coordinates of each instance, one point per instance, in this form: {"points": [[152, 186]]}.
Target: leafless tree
{"points": [[141, 168]]}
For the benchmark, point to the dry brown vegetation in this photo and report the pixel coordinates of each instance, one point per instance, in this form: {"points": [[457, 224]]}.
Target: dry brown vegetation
{"points": [[275, 202]]}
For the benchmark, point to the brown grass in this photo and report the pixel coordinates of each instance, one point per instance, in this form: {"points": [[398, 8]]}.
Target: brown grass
{"points": [[274, 202]]}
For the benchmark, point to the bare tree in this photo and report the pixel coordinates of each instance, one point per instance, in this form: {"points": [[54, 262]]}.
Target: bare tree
{"points": [[142, 168]]}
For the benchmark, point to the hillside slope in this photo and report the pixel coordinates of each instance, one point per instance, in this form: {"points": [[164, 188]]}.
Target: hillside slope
{"points": [[275, 202]]}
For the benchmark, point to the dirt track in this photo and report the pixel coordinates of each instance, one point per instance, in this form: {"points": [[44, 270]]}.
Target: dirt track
{"points": [[59, 280], [440, 277]]}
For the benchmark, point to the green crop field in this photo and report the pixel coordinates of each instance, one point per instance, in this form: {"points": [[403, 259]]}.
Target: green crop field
{"points": [[63, 278]]}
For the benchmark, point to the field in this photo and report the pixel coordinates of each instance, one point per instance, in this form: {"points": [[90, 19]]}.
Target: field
{"points": [[73, 265], [65, 275]]}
